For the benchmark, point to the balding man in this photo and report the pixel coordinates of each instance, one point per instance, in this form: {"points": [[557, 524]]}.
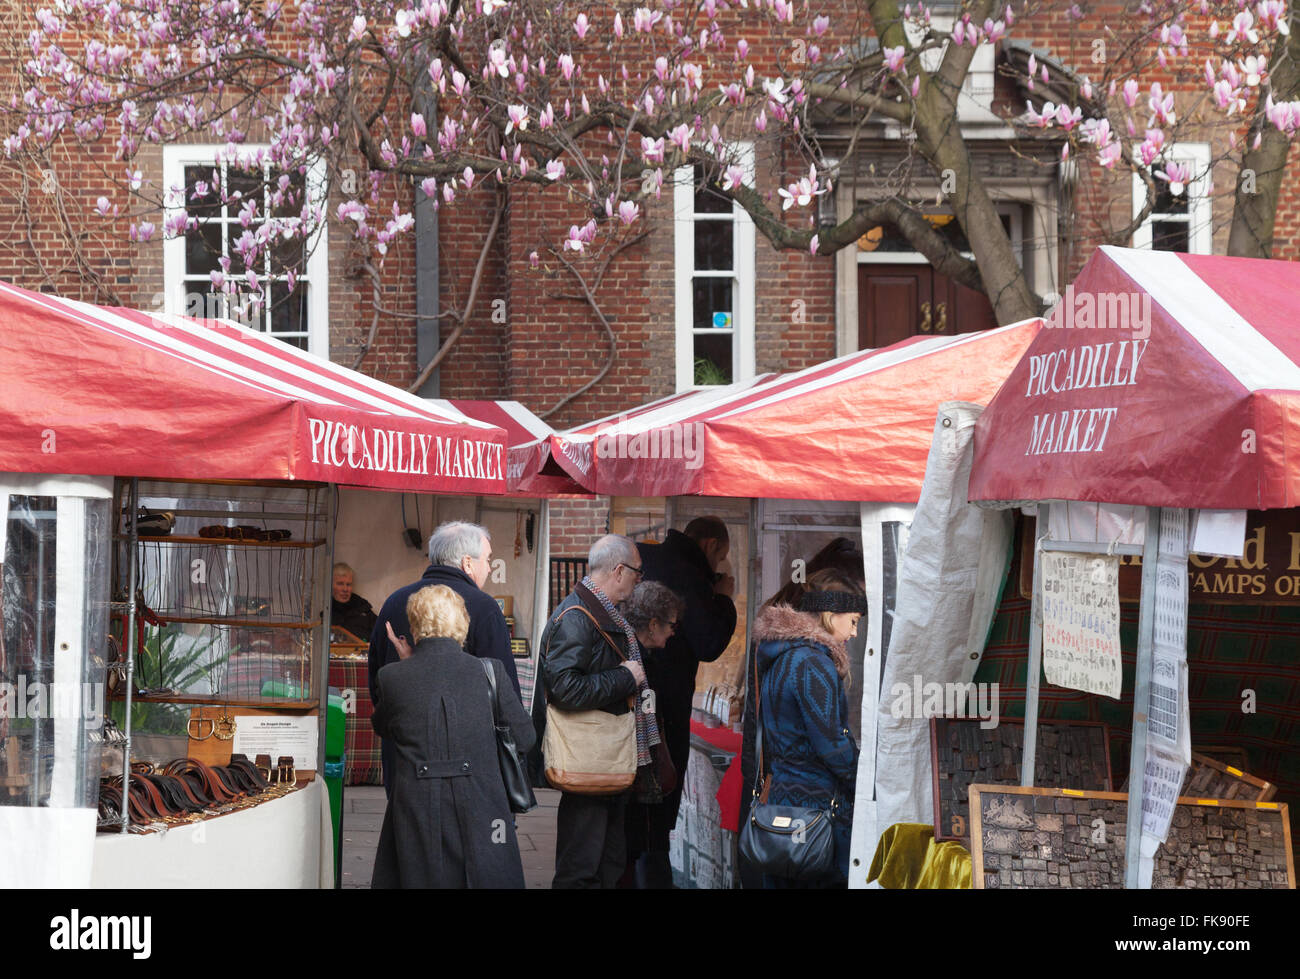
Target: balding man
{"points": [[348, 610], [581, 670]]}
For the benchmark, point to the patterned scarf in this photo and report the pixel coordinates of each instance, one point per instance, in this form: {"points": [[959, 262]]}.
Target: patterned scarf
{"points": [[647, 727]]}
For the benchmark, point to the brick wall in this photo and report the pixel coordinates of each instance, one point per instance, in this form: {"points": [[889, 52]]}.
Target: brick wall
{"points": [[576, 523]]}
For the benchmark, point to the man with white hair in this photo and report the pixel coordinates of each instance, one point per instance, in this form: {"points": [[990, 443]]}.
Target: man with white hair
{"points": [[460, 557], [592, 662]]}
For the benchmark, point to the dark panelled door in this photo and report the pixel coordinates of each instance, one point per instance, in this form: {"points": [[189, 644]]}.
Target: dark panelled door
{"points": [[899, 301]]}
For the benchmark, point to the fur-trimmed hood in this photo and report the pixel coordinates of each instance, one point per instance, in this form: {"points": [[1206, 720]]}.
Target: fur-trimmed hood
{"points": [[779, 628]]}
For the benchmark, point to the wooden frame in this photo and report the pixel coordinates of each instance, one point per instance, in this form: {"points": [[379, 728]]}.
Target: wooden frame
{"points": [[947, 810], [1114, 848]]}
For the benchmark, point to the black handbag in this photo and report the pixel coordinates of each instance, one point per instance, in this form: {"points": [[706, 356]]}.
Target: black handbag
{"points": [[791, 842], [514, 772]]}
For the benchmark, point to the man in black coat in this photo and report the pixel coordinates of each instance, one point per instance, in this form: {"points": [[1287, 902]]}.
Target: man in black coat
{"points": [[687, 562], [460, 557], [581, 671]]}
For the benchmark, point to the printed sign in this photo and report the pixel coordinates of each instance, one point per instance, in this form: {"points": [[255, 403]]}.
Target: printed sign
{"points": [[1081, 622], [1268, 573]]}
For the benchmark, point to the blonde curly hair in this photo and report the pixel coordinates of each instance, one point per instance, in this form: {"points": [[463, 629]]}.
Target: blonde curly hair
{"points": [[437, 612]]}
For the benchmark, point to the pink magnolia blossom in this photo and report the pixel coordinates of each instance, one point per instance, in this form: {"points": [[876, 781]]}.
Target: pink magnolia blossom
{"points": [[894, 58], [1243, 26], [566, 66], [628, 211], [580, 26], [1176, 175], [430, 186], [518, 118], [800, 192], [1255, 69], [812, 244], [733, 176], [1131, 92], [555, 169], [418, 128]]}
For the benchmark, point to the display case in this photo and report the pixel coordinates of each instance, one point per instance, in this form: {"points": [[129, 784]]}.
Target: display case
{"points": [[228, 624]]}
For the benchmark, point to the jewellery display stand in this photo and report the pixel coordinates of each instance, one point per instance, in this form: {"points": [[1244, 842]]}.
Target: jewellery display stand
{"points": [[228, 614]]}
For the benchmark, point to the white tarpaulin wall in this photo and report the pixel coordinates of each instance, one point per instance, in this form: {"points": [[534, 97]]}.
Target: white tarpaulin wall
{"points": [[949, 582]]}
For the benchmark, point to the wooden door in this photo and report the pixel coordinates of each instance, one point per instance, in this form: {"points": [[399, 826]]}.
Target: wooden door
{"points": [[899, 301]]}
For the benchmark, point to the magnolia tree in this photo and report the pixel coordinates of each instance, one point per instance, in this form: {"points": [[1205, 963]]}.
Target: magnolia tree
{"points": [[607, 100]]}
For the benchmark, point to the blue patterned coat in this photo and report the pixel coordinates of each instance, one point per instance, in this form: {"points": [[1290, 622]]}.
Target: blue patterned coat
{"points": [[807, 746]]}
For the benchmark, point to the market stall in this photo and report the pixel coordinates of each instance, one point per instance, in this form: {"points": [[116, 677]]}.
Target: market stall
{"points": [[789, 462], [1169, 403], [171, 483], [384, 536]]}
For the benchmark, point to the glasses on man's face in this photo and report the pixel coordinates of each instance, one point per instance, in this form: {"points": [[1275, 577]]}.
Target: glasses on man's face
{"points": [[636, 571]]}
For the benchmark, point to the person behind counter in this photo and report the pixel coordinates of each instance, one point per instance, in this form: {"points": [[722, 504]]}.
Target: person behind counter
{"points": [[349, 610]]}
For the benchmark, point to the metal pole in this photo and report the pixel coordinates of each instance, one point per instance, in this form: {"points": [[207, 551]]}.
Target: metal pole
{"points": [[133, 571], [1141, 699], [1034, 668]]}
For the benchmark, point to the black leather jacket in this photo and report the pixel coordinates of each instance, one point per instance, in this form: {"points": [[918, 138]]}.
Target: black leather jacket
{"points": [[580, 670]]}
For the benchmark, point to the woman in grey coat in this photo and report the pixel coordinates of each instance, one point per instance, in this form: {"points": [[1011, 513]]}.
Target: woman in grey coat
{"points": [[448, 823]]}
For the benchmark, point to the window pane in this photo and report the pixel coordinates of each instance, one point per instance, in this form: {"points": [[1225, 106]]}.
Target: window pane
{"points": [[287, 255], [1167, 203], [1170, 236], [202, 249], [708, 199], [289, 309], [204, 205], [290, 198], [242, 185], [713, 245], [712, 301], [713, 358]]}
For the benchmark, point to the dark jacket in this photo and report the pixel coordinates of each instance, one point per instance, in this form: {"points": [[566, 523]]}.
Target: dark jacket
{"points": [[707, 623], [580, 669], [448, 823], [488, 636], [804, 712], [355, 615]]}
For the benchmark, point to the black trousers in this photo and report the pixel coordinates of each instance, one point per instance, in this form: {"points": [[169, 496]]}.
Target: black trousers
{"points": [[590, 841]]}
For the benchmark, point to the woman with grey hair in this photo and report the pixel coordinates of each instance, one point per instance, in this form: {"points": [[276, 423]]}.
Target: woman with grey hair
{"points": [[653, 612]]}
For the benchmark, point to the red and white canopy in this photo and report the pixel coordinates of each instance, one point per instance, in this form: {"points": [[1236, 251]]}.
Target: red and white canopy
{"points": [[855, 428], [1173, 380], [523, 431], [106, 391]]}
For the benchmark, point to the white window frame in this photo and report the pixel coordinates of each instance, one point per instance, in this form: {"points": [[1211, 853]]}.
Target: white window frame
{"points": [[1200, 208], [743, 275], [175, 160]]}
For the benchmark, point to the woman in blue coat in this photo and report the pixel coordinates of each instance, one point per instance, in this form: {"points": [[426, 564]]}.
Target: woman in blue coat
{"points": [[803, 676]]}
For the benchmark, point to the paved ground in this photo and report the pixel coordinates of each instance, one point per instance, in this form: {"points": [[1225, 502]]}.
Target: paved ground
{"points": [[363, 815]]}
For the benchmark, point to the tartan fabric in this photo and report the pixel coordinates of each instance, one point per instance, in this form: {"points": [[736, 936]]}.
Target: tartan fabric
{"points": [[246, 672], [362, 763], [1230, 648]]}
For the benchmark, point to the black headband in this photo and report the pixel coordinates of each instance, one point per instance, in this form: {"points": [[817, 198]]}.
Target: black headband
{"points": [[833, 601]]}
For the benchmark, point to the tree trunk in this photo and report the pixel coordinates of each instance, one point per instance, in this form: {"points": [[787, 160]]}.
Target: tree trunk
{"points": [[1259, 183]]}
